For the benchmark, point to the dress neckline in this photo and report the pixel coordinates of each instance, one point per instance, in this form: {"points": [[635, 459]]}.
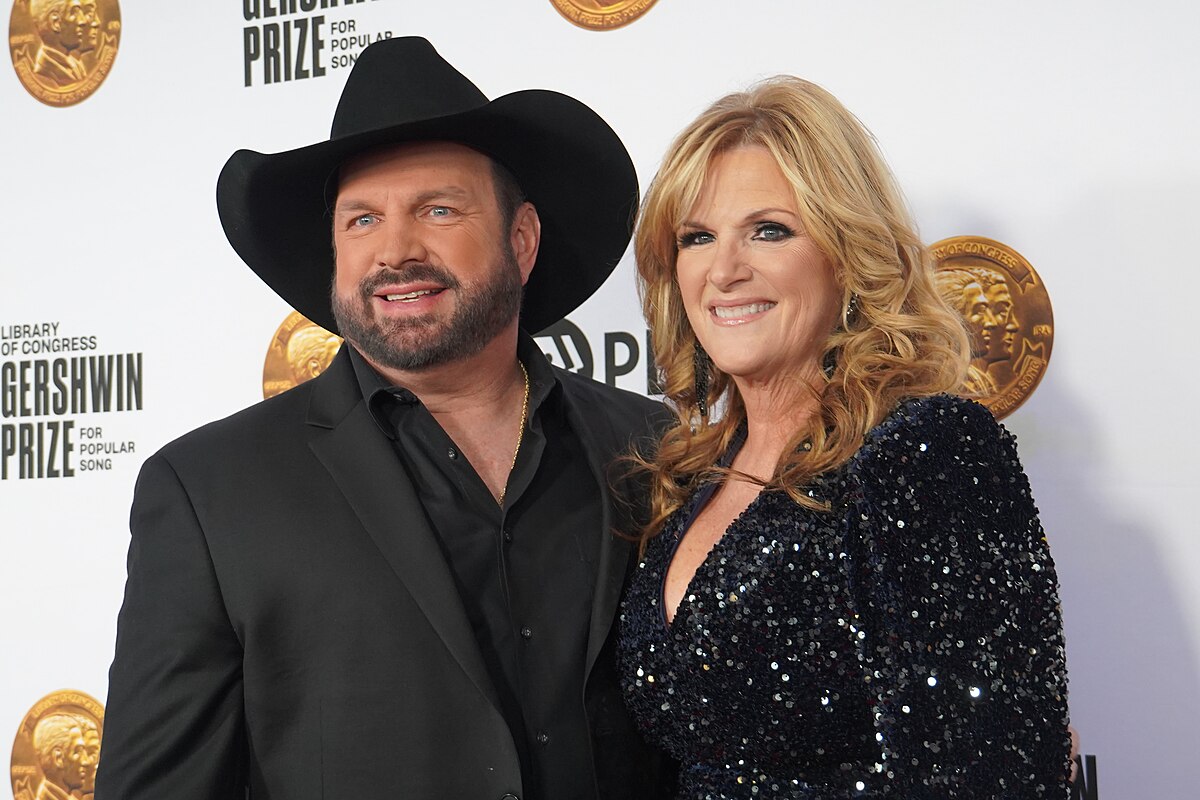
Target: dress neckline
{"points": [[697, 504]]}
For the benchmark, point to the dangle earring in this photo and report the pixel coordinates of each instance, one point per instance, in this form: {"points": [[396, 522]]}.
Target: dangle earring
{"points": [[829, 364], [830, 361], [851, 309], [700, 365]]}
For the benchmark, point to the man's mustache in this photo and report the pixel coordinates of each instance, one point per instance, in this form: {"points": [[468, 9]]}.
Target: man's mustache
{"points": [[409, 273]]}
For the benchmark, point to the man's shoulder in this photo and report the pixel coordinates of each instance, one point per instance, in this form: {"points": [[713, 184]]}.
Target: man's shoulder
{"points": [[614, 403], [265, 424], [53, 64]]}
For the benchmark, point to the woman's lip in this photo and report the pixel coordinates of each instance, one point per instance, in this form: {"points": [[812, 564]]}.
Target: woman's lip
{"points": [[736, 313]]}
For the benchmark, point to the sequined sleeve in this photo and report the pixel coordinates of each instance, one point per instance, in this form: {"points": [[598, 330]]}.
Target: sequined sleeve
{"points": [[961, 629]]}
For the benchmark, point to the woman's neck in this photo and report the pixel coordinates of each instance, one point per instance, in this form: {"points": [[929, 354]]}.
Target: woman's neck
{"points": [[776, 411]]}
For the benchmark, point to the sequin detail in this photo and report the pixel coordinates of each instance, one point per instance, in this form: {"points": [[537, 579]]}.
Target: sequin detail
{"points": [[907, 644]]}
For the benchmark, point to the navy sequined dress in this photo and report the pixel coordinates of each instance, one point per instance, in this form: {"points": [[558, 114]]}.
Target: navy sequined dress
{"points": [[907, 644]]}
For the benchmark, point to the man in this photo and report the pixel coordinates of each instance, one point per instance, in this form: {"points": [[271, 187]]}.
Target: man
{"points": [[64, 26], [67, 746], [1000, 349], [400, 578], [962, 290], [87, 18]]}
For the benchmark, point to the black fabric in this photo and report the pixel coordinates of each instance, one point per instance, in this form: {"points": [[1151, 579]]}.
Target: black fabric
{"points": [[522, 570], [291, 627], [907, 643], [274, 208]]}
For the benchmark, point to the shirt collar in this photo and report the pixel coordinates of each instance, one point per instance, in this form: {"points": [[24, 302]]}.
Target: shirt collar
{"points": [[388, 402]]}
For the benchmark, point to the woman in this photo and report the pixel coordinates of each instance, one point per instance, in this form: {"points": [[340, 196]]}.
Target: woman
{"points": [[845, 590]]}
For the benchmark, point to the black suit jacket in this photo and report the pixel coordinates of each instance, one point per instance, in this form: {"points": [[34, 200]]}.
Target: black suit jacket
{"points": [[290, 623]]}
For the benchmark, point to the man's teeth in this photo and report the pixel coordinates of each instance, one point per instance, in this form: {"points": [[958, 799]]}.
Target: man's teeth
{"points": [[411, 295], [731, 312]]}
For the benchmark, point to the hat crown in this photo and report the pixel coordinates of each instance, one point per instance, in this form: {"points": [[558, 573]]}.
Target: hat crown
{"points": [[401, 81]]}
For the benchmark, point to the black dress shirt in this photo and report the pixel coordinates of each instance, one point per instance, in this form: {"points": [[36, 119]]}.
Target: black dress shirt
{"points": [[525, 570]]}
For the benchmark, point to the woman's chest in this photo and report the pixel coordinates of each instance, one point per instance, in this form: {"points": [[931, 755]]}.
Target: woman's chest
{"points": [[768, 613]]}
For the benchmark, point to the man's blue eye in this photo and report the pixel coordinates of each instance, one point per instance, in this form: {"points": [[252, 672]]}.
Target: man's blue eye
{"points": [[439, 211]]}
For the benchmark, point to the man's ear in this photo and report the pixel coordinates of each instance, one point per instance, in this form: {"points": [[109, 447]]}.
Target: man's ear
{"points": [[525, 238]]}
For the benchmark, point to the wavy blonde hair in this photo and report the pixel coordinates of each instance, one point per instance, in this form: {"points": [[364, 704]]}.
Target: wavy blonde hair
{"points": [[897, 339]]}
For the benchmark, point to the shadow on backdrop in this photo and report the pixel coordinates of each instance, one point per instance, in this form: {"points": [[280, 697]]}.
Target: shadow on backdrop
{"points": [[1134, 678]]}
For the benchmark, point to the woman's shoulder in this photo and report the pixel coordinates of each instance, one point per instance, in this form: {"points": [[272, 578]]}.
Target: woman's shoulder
{"points": [[933, 415], [933, 434]]}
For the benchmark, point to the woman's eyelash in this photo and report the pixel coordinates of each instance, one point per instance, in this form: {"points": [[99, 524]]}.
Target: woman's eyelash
{"points": [[690, 238], [774, 227]]}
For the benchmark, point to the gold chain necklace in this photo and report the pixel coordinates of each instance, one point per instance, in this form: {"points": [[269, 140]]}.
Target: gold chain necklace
{"points": [[520, 434]]}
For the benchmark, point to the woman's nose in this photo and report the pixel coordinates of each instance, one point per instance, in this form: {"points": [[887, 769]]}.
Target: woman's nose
{"points": [[730, 265]]}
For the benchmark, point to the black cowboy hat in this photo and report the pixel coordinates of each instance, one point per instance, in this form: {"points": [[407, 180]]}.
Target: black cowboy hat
{"points": [[568, 161]]}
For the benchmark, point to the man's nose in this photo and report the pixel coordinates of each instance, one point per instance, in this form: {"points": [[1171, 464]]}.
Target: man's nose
{"points": [[400, 244]]}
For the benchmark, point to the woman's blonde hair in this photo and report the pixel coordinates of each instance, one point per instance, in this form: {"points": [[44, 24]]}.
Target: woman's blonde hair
{"points": [[897, 338]]}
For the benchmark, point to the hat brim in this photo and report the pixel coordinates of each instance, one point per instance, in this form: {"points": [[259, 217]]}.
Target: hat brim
{"points": [[570, 163]]}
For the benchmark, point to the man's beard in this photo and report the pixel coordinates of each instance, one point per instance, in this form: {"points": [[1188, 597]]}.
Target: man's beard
{"points": [[481, 313]]}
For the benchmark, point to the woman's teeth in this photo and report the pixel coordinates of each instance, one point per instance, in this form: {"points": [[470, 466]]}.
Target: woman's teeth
{"points": [[732, 312]]}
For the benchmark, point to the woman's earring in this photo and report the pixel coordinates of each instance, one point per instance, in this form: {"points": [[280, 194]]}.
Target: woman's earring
{"points": [[851, 309], [829, 364], [700, 365]]}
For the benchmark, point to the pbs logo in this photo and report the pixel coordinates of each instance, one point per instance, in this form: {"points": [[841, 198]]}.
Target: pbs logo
{"points": [[566, 346]]}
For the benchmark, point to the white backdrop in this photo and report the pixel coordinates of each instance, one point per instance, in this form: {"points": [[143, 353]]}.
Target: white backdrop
{"points": [[1066, 130]]}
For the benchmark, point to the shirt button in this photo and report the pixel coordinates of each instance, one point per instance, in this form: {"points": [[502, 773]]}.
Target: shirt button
{"points": [[543, 737], [507, 535], [526, 633], [452, 453]]}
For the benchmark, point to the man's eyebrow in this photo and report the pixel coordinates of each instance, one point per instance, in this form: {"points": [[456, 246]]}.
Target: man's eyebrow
{"points": [[441, 193], [456, 193], [351, 205]]}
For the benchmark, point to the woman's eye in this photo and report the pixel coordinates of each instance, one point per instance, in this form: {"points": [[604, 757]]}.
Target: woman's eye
{"points": [[693, 238], [772, 232]]}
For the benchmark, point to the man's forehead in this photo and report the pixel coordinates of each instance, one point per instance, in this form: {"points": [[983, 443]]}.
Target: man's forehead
{"points": [[419, 161]]}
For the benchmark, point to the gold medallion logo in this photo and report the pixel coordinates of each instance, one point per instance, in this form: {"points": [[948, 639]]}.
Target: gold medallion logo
{"points": [[598, 15], [63, 50], [299, 351], [1008, 314], [58, 747]]}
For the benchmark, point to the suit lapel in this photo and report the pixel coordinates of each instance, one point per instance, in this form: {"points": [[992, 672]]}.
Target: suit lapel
{"points": [[366, 470], [614, 552]]}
